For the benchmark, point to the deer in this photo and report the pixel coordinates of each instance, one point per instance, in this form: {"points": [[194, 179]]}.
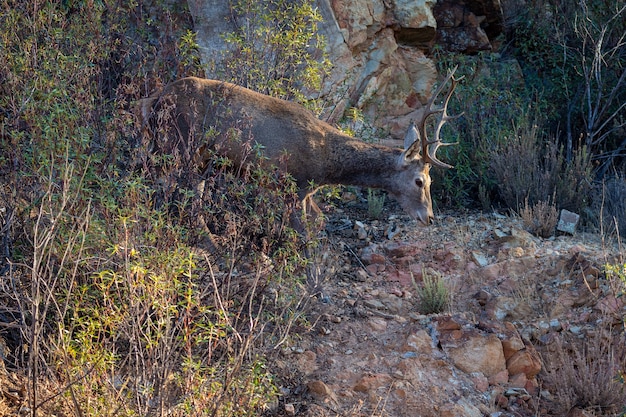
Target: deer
{"points": [[199, 113]]}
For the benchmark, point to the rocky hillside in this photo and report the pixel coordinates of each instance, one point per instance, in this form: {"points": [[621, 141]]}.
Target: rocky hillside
{"points": [[515, 300], [379, 49]]}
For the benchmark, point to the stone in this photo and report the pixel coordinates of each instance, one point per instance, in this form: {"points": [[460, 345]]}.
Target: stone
{"points": [[567, 222], [518, 380], [479, 258], [480, 381], [420, 342], [477, 352], [377, 324], [380, 50], [462, 26], [512, 341], [371, 382], [319, 388], [526, 361]]}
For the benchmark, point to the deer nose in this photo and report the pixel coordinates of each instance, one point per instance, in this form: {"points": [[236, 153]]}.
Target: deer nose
{"points": [[425, 218]]}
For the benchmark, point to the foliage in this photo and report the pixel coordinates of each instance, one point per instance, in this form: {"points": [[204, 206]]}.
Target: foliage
{"points": [[375, 203], [584, 373], [563, 90], [126, 305], [492, 99], [433, 295], [574, 55], [610, 205], [504, 156], [530, 168], [539, 219], [276, 49]]}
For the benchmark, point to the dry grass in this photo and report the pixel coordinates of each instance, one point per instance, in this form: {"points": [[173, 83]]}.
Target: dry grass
{"points": [[540, 218], [585, 373]]}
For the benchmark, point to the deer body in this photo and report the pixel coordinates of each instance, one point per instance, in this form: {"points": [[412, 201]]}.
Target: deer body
{"points": [[291, 137]]}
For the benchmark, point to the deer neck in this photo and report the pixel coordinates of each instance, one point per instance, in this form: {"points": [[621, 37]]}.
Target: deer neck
{"points": [[354, 162]]}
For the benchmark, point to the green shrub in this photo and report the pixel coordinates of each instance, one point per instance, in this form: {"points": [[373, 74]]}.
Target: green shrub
{"points": [[131, 307], [375, 203], [275, 49], [433, 295], [493, 99]]}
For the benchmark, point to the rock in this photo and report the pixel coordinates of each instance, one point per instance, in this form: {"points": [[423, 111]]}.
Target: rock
{"points": [[379, 49], [480, 381], [463, 26], [611, 306], [377, 324], [319, 388], [290, 410], [524, 361], [461, 409], [371, 382], [477, 352], [567, 222], [511, 341], [479, 258], [420, 342], [499, 308], [307, 362], [361, 232], [518, 380], [446, 323], [371, 255], [374, 304]]}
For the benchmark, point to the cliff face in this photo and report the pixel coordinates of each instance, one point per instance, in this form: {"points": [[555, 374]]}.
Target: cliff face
{"points": [[379, 48]]}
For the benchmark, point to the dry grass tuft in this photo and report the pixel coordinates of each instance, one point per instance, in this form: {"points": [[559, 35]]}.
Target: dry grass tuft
{"points": [[585, 373], [540, 219]]}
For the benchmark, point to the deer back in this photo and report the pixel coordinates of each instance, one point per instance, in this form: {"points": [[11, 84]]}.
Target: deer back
{"points": [[193, 114]]}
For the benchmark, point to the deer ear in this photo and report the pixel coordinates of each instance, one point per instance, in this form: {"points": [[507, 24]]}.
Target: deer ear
{"points": [[411, 142]]}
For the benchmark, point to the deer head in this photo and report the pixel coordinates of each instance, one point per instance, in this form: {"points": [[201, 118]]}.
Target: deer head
{"points": [[201, 113], [420, 154]]}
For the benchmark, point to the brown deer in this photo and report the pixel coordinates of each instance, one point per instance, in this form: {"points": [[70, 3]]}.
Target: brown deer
{"points": [[200, 114]]}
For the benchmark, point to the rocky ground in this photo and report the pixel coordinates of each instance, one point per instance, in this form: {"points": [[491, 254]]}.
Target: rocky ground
{"points": [[533, 327], [520, 306]]}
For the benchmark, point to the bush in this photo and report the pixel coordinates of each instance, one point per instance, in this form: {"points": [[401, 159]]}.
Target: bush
{"points": [[433, 295], [124, 306], [375, 203], [276, 49], [584, 373], [540, 219], [493, 100], [610, 205], [529, 169]]}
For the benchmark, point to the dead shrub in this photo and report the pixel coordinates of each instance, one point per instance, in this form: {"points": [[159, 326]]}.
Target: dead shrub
{"points": [[585, 373], [609, 204], [540, 219], [529, 167]]}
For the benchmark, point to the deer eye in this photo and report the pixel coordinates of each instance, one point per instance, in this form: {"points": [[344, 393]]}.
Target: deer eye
{"points": [[419, 182]]}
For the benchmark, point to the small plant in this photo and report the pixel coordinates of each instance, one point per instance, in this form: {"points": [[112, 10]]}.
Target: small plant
{"points": [[433, 295], [610, 203], [540, 219], [585, 373], [375, 203]]}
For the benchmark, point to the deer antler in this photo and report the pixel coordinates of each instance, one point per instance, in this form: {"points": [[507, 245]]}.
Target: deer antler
{"points": [[429, 147]]}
